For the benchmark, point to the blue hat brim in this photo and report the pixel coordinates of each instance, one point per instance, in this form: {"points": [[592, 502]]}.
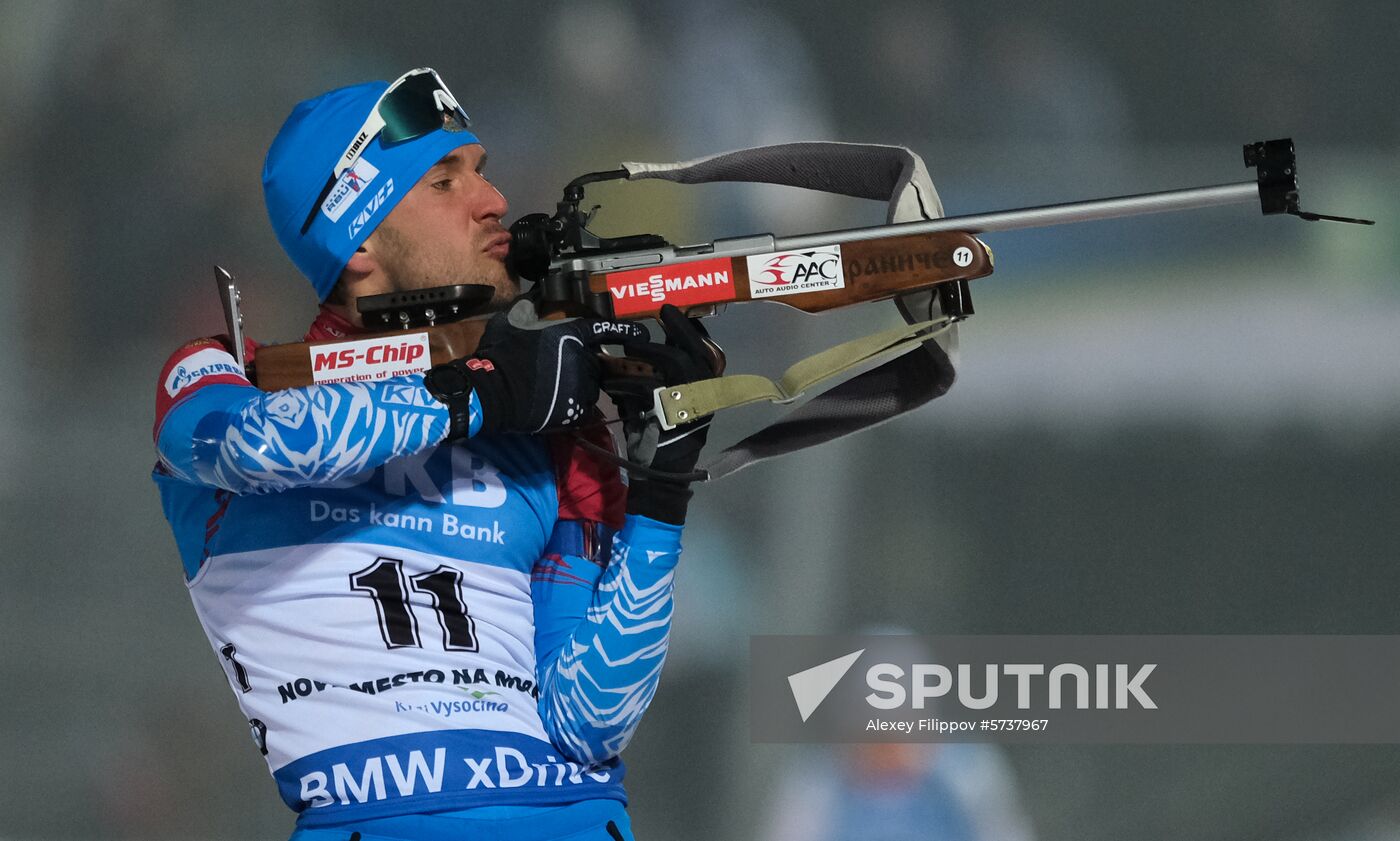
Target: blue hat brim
{"points": [[301, 160]]}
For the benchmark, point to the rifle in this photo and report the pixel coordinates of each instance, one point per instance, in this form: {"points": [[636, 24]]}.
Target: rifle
{"points": [[924, 264]]}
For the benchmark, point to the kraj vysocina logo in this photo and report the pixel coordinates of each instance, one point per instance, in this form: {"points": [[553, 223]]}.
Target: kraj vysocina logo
{"points": [[1037, 686], [789, 272]]}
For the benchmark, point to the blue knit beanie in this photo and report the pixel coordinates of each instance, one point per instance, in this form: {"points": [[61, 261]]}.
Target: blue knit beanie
{"points": [[301, 159]]}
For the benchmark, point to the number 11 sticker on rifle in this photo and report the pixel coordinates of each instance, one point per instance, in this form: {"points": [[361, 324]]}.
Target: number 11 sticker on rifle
{"points": [[790, 272]]}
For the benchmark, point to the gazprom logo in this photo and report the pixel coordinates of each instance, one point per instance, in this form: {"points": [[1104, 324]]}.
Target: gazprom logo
{"points": [[375, 203], [206, 363]]}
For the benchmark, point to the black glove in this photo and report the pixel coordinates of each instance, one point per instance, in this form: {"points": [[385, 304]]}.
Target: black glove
{"points": [[528, 375], [684, 358]]}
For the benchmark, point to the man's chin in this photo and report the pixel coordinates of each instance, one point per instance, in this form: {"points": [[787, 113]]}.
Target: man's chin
{"points": [[506, 290]]}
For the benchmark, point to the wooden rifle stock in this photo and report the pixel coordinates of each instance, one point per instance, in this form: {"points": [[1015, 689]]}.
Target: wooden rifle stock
{"points": [[873, 270], [290, 365]]}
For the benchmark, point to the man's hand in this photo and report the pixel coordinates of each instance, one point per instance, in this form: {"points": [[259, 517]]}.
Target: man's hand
{"points": [[684, 358], [528, 375]]}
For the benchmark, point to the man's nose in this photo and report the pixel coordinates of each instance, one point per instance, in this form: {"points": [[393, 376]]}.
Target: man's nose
{"points": [[490, 203]]}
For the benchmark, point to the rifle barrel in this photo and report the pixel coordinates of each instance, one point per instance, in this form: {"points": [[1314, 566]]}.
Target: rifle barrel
{"points": [[1045, 216], [1190, 198]]}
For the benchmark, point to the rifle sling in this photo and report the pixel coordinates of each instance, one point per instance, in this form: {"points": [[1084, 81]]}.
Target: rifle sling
{"points": [[678, 405]]}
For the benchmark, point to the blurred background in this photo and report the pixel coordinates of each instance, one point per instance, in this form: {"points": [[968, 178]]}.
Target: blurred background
{"points": [[1171, 424]]}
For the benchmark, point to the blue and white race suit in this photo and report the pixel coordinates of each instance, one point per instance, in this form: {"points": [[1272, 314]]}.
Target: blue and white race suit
{"points": [[410, 626]]}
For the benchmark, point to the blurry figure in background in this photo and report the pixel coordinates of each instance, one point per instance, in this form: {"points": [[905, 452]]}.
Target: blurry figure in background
{"points": [[892, 791], [896, 791]]}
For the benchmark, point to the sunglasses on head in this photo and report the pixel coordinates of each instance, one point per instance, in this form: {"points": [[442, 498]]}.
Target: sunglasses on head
{"points": [[415, 104]]}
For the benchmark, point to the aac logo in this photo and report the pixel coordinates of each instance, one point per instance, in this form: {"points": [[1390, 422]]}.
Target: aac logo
{"points": [[796, 268], [791, 272], [375, 203]]}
